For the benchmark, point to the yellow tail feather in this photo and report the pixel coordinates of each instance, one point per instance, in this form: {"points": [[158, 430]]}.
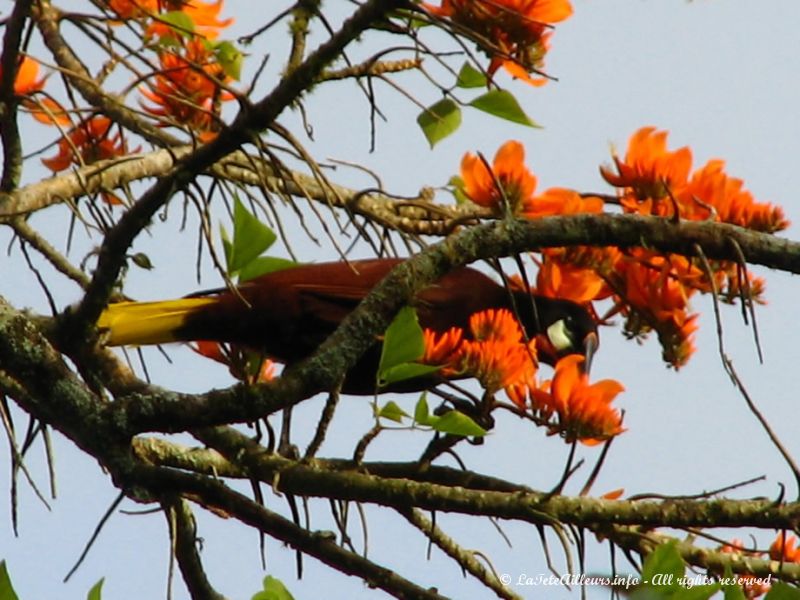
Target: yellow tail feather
{"points": [[141, 323]]}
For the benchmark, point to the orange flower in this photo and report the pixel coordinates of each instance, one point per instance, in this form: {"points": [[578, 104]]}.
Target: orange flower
{"points": [[649, 169], [89, 142], [187, 88], [498, 357], [130, 9], [203, 16], [560, 201], [655, 181], [564, 280], [613, 494], [499, 364], [443, 349], [713, 190], [784, 549], [515, 33], [581, 411], [497, 325], [495, 352], [26, 82], [509, 181], [656, 297]]}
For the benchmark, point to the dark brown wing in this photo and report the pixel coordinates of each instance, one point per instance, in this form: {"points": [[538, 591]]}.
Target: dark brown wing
{"points": [[288, 313]]}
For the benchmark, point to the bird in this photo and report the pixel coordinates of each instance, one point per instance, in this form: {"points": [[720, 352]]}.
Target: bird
{"points": [[287, 314]]}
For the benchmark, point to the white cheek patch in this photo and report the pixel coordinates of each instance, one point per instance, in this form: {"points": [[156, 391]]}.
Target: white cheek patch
{"points": [[559, 336]]}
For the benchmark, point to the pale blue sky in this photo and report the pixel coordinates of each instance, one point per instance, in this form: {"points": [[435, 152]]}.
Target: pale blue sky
{"points": [[721, 76]]}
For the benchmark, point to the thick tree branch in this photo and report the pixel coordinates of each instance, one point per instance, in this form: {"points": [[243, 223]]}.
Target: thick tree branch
{"points": [[332, 479]]}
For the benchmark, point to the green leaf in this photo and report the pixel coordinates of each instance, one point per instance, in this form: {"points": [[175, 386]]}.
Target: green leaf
{"points": [[250, 238], [263, 265], [403, 342], [393, 412], [457, 188], [422, 414], [96, 592], [697, 592], [664, 564], [734, 592], [501, 103], [6, 589], [439, 120], [178, 20], [227, 244], [458, 423], [782, 591], [406, 370], [273, 590], [470, 77], [230, 59]]}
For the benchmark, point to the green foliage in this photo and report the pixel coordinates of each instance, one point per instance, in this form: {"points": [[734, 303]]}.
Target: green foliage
{"points": [[470, 77], [781, 591], [273, 590], [439, 120], [403, 345], [230, 59], [251, 238], [453, 421], [180, 23], [456, 184], [261, 265], [663, 577], [392, 411], [664, 561], [502, 103], [96, 592], [6, 589]]}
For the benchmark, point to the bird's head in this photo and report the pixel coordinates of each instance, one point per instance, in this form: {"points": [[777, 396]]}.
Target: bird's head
{"points": [[561, 327]]}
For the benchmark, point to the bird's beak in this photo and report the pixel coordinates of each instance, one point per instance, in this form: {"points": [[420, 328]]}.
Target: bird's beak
{"points": [[590, 344]]}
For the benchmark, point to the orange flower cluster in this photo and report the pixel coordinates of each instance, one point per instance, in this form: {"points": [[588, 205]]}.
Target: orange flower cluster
{"points": [[188, 89], [514, 33], [655, 181], [572, 407], [88, 142], [495, 353], [653, 290], [509, 184], [784, 549]]}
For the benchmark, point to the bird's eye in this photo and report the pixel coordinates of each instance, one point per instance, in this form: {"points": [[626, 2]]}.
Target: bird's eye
{"points": [[559, 335]]}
